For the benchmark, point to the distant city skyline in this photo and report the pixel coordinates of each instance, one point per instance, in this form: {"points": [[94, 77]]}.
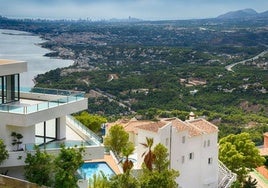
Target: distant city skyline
{"points": [[122, 9]]}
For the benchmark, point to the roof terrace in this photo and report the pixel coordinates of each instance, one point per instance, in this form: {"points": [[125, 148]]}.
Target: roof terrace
{"points": [[38, 99]]}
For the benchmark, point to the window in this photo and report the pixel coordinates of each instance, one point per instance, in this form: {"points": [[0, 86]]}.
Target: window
{"points": [[191, 155], [182, 159], [210, 160], [208, 143], [167, 141], [183, 139], [205, 143], [46, 131]]}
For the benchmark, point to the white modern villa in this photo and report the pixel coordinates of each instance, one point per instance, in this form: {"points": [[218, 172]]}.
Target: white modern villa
{"points": [[37, 116], [40, 117], [192, 147]]}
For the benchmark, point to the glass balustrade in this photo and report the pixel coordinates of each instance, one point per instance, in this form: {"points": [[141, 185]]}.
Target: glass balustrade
{"points": [[64, 97]]}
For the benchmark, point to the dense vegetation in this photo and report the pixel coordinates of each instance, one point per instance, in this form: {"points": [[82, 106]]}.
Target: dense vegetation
{"points": [[155, 169], [3, 151], [163, 69], [60, 171], [240, 155]]}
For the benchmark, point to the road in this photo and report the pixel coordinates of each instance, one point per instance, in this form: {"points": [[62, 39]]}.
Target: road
{"points": [[229, 67]]}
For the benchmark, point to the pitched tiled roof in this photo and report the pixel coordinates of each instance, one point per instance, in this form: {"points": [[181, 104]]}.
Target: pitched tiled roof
{"points": [[203, 125], [183, 126], [194, 127], [132, 126], [154, 126]]}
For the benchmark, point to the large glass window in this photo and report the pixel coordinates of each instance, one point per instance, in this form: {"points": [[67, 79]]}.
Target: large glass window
{"points": [[9, 88], [1, 89], [46, 131]]}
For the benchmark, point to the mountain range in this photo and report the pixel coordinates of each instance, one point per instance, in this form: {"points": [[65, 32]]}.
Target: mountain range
{"points": [[245, 13], [239, 14]]}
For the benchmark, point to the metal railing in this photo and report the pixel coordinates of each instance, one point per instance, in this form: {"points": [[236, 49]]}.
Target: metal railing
{"points": [[51, 91], [226, 176], [73, 122]]}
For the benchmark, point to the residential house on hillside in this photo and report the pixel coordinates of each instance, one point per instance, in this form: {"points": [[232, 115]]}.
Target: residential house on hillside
{"points": [[192, 147], [40, 117]]}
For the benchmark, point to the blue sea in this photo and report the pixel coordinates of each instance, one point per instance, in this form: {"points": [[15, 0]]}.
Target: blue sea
{"points": [[24, 46]]}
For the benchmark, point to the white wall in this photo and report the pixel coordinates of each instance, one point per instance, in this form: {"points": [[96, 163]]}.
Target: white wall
{"points": [[195, 172], [13, 67], [209, 171], [142, 134], [165, 136], [17, 158], [43, 115], [28, 134]]}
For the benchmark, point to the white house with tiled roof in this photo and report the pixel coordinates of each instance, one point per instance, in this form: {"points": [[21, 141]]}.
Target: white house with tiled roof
{"points": [[192, 147]]}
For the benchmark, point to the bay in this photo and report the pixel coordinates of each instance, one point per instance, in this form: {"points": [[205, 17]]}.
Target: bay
{"points": [[19, 45]]}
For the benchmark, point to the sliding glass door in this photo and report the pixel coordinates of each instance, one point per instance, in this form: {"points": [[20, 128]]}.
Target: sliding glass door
{"points": [[9, 88]]}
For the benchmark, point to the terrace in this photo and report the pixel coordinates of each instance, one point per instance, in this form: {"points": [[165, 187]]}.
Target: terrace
{"points": [[76, 135], [38, 99], [41, 117]]}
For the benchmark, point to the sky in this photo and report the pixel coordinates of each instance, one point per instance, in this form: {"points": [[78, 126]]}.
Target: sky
{"points": [[108, 9]]}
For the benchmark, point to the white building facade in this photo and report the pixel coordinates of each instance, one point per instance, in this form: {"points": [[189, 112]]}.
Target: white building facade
{"points": [[40, 116], [192, 147]]}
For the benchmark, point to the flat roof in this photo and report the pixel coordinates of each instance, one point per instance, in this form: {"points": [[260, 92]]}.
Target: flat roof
{"points": [[9, 67], [8, 61]]}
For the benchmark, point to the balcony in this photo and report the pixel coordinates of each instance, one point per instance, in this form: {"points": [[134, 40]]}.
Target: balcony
{"points": [[76, 135], [37, 99], [39, 104]]}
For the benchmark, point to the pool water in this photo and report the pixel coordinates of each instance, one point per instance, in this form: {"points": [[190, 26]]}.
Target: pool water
{"points": [[57, 144], [87, 170]]}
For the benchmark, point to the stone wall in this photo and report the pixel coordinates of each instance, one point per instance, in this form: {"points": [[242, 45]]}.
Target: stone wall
{"points": [[9, 182]]}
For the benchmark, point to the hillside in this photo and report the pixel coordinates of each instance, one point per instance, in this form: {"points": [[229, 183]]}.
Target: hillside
{"points": [[163, 68], [243, 14]]}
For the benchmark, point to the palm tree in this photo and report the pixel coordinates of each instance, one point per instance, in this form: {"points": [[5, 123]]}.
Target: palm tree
{"points": [[126, 151], [250, 183], [149, 156]]}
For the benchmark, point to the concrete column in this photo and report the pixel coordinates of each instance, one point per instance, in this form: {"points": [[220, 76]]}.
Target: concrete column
{"points": [[61, 128]]}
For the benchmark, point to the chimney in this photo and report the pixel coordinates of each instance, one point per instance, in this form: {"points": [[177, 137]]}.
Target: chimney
{"points": [[192, 116], [265, 138]]}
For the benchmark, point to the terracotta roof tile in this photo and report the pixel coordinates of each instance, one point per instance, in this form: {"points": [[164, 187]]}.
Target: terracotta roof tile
{"points": [[203, 125], [195, 127], [154, 126], [132, 126], [180, 125]]}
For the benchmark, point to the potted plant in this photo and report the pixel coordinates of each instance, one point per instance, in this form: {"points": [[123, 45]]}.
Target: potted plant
{"points": [[17, 140]]}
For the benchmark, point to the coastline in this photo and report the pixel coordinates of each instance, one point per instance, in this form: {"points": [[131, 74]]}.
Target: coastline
{"points": [[29, 47]]}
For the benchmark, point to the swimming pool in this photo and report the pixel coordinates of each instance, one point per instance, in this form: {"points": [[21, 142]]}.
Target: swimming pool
{"points": [[87, 170]]}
